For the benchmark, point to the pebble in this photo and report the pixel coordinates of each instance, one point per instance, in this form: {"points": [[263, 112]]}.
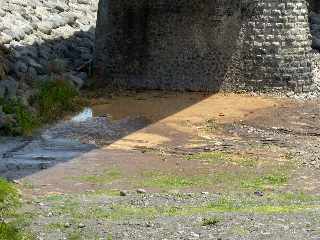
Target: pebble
{"points": [[194, 235], [81, 225], [141, 191], [67, 225], [124, 193], [259, 193]]}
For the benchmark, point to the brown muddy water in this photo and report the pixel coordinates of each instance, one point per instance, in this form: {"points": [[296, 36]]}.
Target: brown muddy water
{"points": [[126, 121]]}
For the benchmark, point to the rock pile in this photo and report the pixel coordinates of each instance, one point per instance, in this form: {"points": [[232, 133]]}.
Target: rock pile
{"points": [[38, 32]]}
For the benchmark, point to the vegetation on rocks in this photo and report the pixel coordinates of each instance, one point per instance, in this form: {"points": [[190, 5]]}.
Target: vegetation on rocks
{"points": [[51, 98], [55, 98], [19, 120]]}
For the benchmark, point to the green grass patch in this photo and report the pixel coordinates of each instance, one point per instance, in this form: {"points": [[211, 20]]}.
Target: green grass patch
{"points": [[104, 192], [229, 181], [9, 231], [210, 221], [106, 177], [273, 203], [55, 226], [273, 180], [72, 208], [55, 98], [55, 197], [170, 181], [246, 205], [12, 225], [82, 208], [75, 236], [21, 122], [9, 198], [69, 206], [239, 231], [219, 157]]}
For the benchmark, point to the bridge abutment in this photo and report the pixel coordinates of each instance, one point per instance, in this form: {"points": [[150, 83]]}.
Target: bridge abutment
{"points": [[204, 45]]}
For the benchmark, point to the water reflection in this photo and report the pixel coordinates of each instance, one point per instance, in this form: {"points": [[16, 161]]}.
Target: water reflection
{"points": [[85, 115]]}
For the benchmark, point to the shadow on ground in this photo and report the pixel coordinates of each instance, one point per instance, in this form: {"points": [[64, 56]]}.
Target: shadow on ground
{"points": [[94, 129]]}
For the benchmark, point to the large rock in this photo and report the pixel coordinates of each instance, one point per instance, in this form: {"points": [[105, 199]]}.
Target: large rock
{"points": [[8, 88]]}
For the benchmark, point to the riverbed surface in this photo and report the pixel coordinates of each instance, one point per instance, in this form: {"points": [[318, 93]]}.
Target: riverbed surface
{"points": [[155, 165]]}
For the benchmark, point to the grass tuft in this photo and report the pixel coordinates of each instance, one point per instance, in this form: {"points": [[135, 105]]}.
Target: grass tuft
{"points": [[55, 98], [9, 198], [279, 203], [107, 176], [275, 179], [212, 221], [169, 181], [218, 157], [22, 122], [9, 231], [9, 201]]}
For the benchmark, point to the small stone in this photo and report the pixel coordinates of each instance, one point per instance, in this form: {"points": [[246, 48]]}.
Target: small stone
{"points": [[123, 193], [259, 193], [67, 225], [149, 225], [141, 191], [194, 235], [16, 182], [81, 225]]}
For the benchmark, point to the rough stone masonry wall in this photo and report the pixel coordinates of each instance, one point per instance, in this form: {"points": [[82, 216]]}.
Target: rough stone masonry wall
{"points": [[278, 46], [176, 45], [204, 45], [39, 31]]}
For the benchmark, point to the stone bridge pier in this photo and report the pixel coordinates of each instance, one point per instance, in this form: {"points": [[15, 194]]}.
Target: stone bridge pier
{"points": [[204, 45]]}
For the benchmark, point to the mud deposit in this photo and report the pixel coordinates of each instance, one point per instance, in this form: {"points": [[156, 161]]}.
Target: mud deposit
{"points": [[173, 166]]}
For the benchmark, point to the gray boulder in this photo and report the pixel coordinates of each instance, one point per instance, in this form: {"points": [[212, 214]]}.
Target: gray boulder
{"points": [[8, 88], [20, 68], [73, 79]]}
